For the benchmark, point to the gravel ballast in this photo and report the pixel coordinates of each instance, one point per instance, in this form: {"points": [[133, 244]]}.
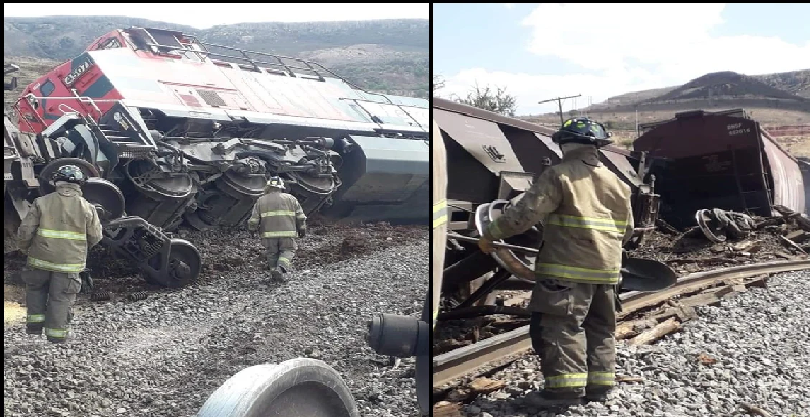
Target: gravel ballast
{"points": [[165, 355], [753, 349]]}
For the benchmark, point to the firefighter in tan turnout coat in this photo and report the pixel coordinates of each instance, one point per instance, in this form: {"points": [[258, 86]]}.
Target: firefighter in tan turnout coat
{"points": [[57, 234], [279, 219], [587, 217]]}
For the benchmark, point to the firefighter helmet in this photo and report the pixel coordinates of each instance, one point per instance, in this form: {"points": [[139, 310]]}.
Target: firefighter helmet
{"points": [[69, 173], [582, 130], [275, 182]]}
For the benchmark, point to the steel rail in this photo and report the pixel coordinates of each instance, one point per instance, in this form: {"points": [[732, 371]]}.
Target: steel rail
{"points": [[459, 362]]}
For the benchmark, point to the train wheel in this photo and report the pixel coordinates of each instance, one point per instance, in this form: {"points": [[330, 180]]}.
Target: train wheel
{"points": [[295, 388], [184, 264], [45, 186]]}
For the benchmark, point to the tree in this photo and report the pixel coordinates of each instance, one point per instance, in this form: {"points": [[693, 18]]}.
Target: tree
{"points": [[438, 82], [498, 101]]}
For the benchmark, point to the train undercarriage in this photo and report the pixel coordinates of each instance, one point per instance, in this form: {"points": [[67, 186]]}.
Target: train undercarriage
{"points": [[157, 166]]}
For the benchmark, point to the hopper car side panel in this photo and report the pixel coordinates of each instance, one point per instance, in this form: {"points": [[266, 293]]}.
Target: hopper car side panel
{"points": [[787, 181]]}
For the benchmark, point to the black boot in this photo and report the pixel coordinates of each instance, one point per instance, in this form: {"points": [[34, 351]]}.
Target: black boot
{"points": [[33, 329], [283, 274], [57, 340], [598, 395], [547, 398]]}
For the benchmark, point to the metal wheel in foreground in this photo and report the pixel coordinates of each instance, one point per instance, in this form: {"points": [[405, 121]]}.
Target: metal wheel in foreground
{"points": [[295, 388], [184, 265]]}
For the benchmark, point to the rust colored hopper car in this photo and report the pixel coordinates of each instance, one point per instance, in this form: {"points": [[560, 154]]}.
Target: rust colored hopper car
{"points": [[721, 160]]}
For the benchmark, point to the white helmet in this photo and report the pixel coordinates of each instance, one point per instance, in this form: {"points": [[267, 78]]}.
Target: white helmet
{"points": [[276, 182]]}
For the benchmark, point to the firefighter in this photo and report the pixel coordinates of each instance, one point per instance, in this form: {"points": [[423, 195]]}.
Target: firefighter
{"points": [[56, 235], [587, 218], [279, 218]]}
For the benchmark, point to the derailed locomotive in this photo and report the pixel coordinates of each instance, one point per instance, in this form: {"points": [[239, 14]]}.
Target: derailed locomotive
{"points": [[176, 132]]}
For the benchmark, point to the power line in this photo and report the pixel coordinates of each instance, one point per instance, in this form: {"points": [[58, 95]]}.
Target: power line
{"points": [[559, 103]]}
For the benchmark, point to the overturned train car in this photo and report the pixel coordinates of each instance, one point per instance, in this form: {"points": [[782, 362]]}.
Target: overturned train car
{"points": [[721, 159], [187, 133], [492, 157], [28, 164]]}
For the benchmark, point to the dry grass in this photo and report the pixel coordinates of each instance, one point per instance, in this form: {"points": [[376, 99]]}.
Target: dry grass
{"points": [[13, 293], [627, 120], [13, 298], [13, 312], [797, 145]]}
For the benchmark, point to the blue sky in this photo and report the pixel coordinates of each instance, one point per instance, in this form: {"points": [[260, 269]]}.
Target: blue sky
{"points": [[539, 51]]}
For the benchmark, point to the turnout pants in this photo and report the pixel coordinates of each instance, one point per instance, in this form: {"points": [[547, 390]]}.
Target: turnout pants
{"points": [[50, 297], [573, 328], [280, 252]]}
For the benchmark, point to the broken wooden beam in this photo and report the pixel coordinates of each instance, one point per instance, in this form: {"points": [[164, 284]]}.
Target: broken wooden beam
{"points": [[800, 219], [752, 409], [632, 328], [446, 409], [791, 244], [657, 332], [702, 299]]}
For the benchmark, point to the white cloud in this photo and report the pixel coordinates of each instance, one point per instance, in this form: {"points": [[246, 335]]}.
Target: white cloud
{"points": [[509, 5], [202, 17], [612, 40]]}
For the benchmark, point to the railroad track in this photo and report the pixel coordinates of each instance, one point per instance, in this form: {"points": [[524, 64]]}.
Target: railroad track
{"points": [[468, 359]]}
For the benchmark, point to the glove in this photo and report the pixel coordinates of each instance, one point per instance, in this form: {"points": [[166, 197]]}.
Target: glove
{"points": [[302, 232], [485, 245]]}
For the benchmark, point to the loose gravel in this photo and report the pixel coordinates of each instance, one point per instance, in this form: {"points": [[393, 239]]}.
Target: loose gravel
{"points": [[165, 355], [754, 348]]}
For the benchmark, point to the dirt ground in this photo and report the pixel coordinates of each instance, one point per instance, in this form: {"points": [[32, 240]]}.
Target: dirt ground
{"points": [[223, 252]]}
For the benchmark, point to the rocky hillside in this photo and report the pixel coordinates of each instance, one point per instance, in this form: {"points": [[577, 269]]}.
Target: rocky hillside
{"points": [[787, 91], [391, 56]]}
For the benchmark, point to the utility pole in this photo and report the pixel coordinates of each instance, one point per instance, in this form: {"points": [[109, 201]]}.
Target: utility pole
{"points": [[559, 104]]}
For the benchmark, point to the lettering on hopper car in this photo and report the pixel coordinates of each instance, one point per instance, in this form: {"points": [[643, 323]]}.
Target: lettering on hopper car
{"points": [[735, 129]]}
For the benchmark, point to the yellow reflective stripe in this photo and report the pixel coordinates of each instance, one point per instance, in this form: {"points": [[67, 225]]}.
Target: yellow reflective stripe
{"points": [[39, 263], [60, 333], [283, 259], [567, 380], [439, 213], [281, 234], [598, 276], [594, 223], [60, 234], [275, 213], [36, 318], [602, 378]]}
